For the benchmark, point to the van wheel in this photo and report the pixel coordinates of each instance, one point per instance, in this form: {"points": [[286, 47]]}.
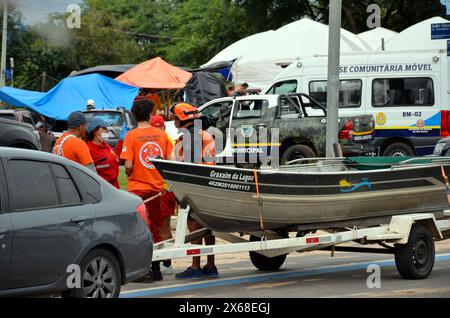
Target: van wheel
{"points": [[100, 276], [399, 149], [297, 152]]}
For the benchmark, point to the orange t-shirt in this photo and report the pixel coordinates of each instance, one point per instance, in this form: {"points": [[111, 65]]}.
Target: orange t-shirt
{"points": [[73, 149], [141, 145]]}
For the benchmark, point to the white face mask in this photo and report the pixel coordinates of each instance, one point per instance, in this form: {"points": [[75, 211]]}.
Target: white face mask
{"points": [[105, 136]]}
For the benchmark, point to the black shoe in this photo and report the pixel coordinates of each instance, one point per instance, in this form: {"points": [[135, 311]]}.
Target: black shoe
{"points": [[157, 276], [147, 279]]}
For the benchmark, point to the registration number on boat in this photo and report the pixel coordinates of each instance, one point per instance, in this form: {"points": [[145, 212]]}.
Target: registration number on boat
{"points": [[230, 186]]}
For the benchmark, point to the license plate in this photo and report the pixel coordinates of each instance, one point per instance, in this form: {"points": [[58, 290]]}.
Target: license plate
{"points": [[361, 138]]}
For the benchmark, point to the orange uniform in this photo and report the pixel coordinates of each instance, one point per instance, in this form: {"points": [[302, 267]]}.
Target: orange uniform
{"points": [[140, 146], [207, 152], [73, 148]]}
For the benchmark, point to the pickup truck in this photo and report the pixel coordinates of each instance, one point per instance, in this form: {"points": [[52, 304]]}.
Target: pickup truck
{"points": [[299, 120], [18, 135]]}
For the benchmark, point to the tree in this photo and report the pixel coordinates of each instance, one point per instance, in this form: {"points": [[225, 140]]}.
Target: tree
{"points": [[200, 29]]}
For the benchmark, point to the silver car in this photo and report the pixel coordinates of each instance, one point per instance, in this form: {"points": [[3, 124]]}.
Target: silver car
{"points": [[65, 231]]}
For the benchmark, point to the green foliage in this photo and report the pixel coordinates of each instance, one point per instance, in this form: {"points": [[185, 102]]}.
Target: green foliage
{"points": [[184, 32]]}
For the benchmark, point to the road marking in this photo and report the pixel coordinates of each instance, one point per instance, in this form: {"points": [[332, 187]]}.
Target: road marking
{"points": [[260, 278]]}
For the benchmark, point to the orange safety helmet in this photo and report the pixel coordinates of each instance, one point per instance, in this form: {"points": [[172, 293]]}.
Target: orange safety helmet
{"points": [[185, 111]]}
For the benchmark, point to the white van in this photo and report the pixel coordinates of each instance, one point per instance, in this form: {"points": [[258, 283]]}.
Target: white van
{"points": [[406, 91]]}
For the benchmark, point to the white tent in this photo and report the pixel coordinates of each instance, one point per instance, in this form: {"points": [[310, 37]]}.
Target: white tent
{"points": [[417, 36], [374, 37], [262, 56]]}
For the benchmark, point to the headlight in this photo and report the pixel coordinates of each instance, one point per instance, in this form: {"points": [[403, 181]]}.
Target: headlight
{"points": [[438, 149]]}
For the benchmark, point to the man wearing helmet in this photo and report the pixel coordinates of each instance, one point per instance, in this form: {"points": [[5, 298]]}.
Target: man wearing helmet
{"points": [[194, 146]]}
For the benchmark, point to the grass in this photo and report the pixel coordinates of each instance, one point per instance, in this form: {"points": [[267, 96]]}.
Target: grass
{"points": [[123, 180]]}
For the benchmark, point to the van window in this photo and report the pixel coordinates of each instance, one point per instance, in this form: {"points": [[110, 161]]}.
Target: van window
{"points": [[402, 92], [350, 93], [285, 87]]}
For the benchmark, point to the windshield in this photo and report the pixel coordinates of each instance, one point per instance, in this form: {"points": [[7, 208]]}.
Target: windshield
{"points": [[114, 119]]}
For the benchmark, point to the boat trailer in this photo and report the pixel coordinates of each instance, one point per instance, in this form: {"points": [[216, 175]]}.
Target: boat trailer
{"points": [[412, 238]]}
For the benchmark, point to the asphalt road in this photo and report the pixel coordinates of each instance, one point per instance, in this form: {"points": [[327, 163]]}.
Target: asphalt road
{"points": [[313, 274]]}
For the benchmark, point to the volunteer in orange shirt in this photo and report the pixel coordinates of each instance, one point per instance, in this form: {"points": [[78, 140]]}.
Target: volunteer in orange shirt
{"points": [[140, 146], [70, 145], [168, 202], [187, 149]]}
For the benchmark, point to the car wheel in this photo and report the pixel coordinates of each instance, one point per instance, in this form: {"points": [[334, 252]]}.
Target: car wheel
{"points": [[297, 152], [100, 277], [399, 150]]}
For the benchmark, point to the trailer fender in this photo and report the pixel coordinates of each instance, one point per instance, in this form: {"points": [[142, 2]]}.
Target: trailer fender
{"points": [[402, 224]]}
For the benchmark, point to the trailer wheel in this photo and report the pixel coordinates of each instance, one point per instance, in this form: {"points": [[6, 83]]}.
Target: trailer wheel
{"points": [[415, 260], [264, 263]]}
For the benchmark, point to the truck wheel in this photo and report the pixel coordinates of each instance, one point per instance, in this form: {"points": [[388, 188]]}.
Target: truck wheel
{"points": [[100, 276], [399, 149], [415, 260], [297, 152], [263, 263]]}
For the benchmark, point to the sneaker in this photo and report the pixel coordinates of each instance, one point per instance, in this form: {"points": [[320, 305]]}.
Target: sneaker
{"points": [[210, 272], [190, 273], [168, 270]]}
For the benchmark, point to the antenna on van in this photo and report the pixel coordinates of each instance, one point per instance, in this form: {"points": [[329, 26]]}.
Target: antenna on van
{"points": [[383, 48]]}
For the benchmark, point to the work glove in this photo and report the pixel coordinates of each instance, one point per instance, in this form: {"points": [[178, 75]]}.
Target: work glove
{"points": [[123, 131]]}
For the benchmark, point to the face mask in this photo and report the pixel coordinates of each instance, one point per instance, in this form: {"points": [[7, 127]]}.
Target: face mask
{"points": [[105, 136]]}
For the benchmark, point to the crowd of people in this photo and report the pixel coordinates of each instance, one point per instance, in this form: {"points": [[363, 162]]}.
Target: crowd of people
{"points": [[86, 143]]}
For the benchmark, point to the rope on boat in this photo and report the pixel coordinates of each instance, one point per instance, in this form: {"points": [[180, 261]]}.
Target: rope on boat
{"points": [[260, 205], [154, 197], [447, 183]]}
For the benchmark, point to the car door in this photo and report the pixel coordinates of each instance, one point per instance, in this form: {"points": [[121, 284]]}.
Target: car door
{"points": [[50, 225], [251, 129], [5, 231]]}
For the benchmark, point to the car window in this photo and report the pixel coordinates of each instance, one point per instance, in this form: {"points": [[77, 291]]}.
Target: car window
{"points": [[33, 185], [90, 189], [350, 93], [67, 189], [251, 108], [218, 109], [402, 92], [286, 87], [8, 116], [27, 119], [114, 119]]}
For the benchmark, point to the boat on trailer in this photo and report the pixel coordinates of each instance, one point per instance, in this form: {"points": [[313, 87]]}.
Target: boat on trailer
{"points": [[324, 193]]}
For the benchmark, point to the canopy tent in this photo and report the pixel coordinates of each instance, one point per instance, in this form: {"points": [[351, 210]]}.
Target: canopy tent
{"points": [[204, 87], [111, 71], [156, 74], [417, 37], [19, 97], [374, 38], [72, 94], [263, 56]]}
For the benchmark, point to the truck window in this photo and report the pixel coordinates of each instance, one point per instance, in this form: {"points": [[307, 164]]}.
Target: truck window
{"points": [[285, 87], [218, 109], [350, 93], [251, 108], [402, 92]]}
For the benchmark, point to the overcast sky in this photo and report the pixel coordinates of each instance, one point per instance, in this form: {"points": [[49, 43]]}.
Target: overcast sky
{"points": [[35, 11]]}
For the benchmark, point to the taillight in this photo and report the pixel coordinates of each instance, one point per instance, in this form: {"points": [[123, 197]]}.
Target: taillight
{"points": [[142, 211], [346, 132], [445, 123]]}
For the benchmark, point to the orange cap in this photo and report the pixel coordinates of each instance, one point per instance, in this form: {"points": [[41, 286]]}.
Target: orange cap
{"points": [[185, 111]]}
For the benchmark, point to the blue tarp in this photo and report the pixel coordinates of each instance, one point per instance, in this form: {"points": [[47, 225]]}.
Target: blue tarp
{"points": [[72, 94], [19, 97]]}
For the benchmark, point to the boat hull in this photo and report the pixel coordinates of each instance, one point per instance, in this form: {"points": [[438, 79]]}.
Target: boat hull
{"points": [[226, 200]]}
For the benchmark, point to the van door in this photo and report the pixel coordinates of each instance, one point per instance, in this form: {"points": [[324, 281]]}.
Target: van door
{"points": [[5, 232], [407, 115]]}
